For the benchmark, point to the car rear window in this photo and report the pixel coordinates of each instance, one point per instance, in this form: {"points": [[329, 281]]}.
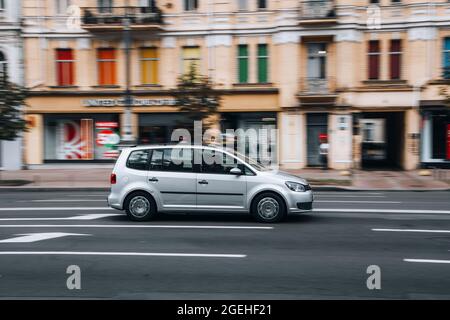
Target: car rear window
{"points": [[138, 160]]}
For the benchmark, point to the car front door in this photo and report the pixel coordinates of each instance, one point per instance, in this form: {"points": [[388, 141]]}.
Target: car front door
{"points": [[217, 188], [171, 174]]}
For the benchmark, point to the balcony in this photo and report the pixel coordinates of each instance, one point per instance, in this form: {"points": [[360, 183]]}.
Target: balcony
{"points": [[101, 19], [317, 91], [316, 12]]}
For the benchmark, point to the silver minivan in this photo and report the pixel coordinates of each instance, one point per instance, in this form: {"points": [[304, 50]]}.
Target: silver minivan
{"points": [[189, 178]]}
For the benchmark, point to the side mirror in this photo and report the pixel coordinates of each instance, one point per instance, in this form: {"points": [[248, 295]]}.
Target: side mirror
{"points": [[236, 171]]}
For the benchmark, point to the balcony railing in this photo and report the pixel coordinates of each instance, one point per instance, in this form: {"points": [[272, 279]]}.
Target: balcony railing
{"points": [[317, 9], [115, 16], [317, 86]]}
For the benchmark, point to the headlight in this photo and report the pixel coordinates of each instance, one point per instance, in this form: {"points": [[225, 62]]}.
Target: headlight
{"points": [[297, 187]]}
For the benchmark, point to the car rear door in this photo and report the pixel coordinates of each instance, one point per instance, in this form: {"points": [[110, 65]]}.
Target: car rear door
{"points": [[171, 174]]}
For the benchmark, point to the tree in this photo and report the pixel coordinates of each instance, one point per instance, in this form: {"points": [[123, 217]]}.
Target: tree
{"points": [[195, 96], [12, 97]]}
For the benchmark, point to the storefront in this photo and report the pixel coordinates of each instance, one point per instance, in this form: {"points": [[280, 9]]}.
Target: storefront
{"points": [[84, 137], [435, 137]]}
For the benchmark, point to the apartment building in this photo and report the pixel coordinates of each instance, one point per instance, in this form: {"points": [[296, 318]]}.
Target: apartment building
{"points": [[363, 73], [11, 63]]}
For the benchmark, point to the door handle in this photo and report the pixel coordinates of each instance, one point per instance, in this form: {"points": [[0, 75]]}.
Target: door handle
{"points": [[203, 182], [153, 179]]}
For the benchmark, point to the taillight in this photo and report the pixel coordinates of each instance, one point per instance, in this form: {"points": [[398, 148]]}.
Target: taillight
{"points": [[113, 178]]}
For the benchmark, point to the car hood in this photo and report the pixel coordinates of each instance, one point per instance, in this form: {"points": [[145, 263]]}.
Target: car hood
{"points": [[282, 175]]}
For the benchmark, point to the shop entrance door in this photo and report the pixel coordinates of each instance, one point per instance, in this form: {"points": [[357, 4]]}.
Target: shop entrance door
{"points": [[316, 125]]}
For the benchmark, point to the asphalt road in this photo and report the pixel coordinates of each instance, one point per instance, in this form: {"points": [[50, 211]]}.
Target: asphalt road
{"points": [[324, 254]]}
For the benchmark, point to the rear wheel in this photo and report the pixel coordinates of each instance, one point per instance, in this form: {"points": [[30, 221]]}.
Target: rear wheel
{"points": [[268, 207], [140, 206]]}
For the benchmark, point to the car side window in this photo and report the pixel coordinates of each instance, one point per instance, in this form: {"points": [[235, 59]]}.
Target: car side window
{"points": [[138, 160], [216, 162], [178, 160], [156, 160]]}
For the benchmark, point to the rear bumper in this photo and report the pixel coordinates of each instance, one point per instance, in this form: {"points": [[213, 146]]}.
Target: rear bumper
{"points": [[114, 202]]}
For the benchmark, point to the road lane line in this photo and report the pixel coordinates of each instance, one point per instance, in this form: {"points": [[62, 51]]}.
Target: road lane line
{"points": [[131, 226], [346, 196], [65, 200], [412, 230], [355, 201], [55, 208], [331, 210], [136, 254], [34, 237], [427, 261], [83, 217]]}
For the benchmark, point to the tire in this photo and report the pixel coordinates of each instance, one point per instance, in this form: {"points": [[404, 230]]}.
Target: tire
{"points": [[140, 206], [268, 207]]}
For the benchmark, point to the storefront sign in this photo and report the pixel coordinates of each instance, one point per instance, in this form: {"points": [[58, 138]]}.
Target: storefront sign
{"points": [[448, 141], [134, 103], [75, 140], [106, 139]]}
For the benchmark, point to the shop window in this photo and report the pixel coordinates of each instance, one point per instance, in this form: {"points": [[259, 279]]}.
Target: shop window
{"points": [[262, 4], [191, 57], [65, 67], [374, 60], [242, 5], [149, 65], [3, 66], [190, 5], [446, 59], [243, 63], [61, 6], [263, 63], [106, 60], [395, 55], [138, 160], [105, 6]]}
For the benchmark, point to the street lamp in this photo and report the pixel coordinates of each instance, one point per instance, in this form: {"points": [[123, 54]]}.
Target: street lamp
{"points": [[128, 138]]}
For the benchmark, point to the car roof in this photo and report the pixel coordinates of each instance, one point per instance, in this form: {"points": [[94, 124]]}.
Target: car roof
{"points": [[179, 145]]}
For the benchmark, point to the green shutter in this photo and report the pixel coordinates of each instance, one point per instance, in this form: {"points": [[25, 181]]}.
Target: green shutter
{"points": [[243, 63], [262, 63]]}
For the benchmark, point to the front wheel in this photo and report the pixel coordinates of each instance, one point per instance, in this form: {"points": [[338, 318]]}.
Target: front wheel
{"points": [[269, 208], [140, 206]]}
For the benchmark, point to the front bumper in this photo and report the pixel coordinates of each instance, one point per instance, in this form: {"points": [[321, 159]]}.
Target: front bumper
{"points": [[301, 202]]}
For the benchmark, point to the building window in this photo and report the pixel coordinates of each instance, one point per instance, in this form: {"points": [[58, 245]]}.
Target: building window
{"points": [[149, 65], [263, 63], [262, 4], [62, 5], [243, 63], [106, 60], [446, 59], [190, 5], [2, 5], [317, 60], [3, 65], [64, 67], [242, 5], [374, 60], [374, 1], [104, 6], [395, 55], [191, 57]]}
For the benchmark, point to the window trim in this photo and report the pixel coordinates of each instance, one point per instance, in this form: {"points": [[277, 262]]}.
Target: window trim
{"points": [[258, 65], [239, 59], [391, 55], [72, 67], [98, 61], [142, 59], [376, 54]]}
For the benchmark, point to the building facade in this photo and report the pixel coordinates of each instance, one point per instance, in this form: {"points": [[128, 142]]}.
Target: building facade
{"points": [[364, 74], [11, 62]]}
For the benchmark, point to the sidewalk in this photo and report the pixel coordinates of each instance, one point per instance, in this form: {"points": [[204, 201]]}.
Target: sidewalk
{"points": [[98, 177]]}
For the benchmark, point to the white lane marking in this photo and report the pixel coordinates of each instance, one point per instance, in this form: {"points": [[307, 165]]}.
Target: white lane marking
{"points": [[355, 201], [130, 226], [412, 230], [348, 193], [55, 208], [382, 211], [342, 196], [137, 254], [65, 200], [83, 217], [34, 237], [427, 261]]}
